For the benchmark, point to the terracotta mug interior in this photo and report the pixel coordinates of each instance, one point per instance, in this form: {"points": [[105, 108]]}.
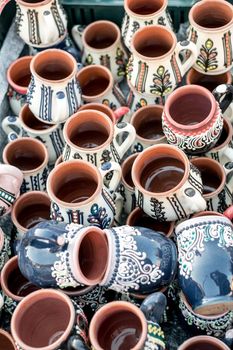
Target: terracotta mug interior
{"points": [[209, 82], [101, 108], [30, 122], [142, 8], [19, 74], [88, 129], [225, 137], [160, 170], [101, 35], [26, 153], [203, 342], [118, 322], [147, 122], [138, 218], [126, 171], [30, 209], [153, 41], [53, 65], [6, 341], [46, 312], [94, 81], [212, 14], [13, 283], [212, 174]]}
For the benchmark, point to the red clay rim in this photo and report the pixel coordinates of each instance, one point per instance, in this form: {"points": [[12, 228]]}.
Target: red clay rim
{"points": [[8, 336], [101, 108], [31, 4], [205, 338], [193, 71], [124, 164], [135, 15], [18, 88], [10, 265]]}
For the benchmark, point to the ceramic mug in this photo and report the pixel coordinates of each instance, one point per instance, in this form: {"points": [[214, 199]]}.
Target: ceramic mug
{"points": [[5, 250], [28, 125], [53, 93], [11, 179], [211, 25], [30, 209], [167, 186], [154, 67], [139, 14], [217, 194], [31, 157], [203, 342], [6, 341], [115, 116], [40, 23], [206, 282], [18, 77], [192, 119], [147, 122], [100, 43], [62, 327], [97, 85], [78, 194], [90, 135]]}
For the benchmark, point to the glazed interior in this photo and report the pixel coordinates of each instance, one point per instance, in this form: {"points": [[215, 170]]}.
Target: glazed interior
{"points": [[19, 72], [6, 342], [192, 106], [153, 41], [210, 344], [30, 209], [26, 154], [89, 129], [210, 82], [31, 122], [54, 65], [126, 170], [74, 182], [101, 35], [101, 108], [212, 14], [94, 80], [43, 320], [148, 123], [141, 7]]}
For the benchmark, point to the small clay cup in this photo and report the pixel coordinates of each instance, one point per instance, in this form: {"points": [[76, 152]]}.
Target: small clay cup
{"points": [[138, 218], [114, 116], [203, 342], [209, 82], [30, 209], [6, 341], [127, 186]]}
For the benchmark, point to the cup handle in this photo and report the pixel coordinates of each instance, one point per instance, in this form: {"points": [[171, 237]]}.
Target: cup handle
{"points": [[77, 33], [118, 200], [76, 343], [119, 129], [107, 168], [120, 112], [8, 125], [223, 95], [186, 45], [228, 168]]}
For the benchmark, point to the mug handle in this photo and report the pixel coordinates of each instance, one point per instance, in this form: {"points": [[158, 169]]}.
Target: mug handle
{"points": [[186, 45], [76, 343], [121, 112], [77, 33], [118, 200], [223, 95], [8, 123], [106, 168], [119, 129], [228, 168]]}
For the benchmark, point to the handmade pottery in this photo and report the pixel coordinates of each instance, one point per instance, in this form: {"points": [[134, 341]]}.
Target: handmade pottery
{"points": [[31, 157], [124, 323], [28, 125], [100, 43], [97, 85], [5, 250], [192, 119], [205, 247], [147, 122], [90, 135], [78, 194], [11, 179], [40, 23], [54, 93], [167, 186], [217, 194], [140, 219], [139, 14], [155, 67], [211, 31], [18, 77], [6, 341], [215, 325], [51, 313], [203, 342], [30, 209], [115, 116]]}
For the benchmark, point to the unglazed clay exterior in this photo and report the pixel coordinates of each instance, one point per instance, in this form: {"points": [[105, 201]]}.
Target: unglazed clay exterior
{"points": [[40, 24]]}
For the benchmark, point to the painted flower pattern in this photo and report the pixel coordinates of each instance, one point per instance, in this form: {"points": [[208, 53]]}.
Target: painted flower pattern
{"points": [[207, 59], [162, 83]]}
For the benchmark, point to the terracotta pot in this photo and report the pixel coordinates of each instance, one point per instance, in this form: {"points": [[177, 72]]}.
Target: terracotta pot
{"points": [[6, 341], [138, 218], [202, 342], [30, 209], [211, 31], [31, 157], [18, 77], [97, 85], [53, 94], [192, 119]]}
